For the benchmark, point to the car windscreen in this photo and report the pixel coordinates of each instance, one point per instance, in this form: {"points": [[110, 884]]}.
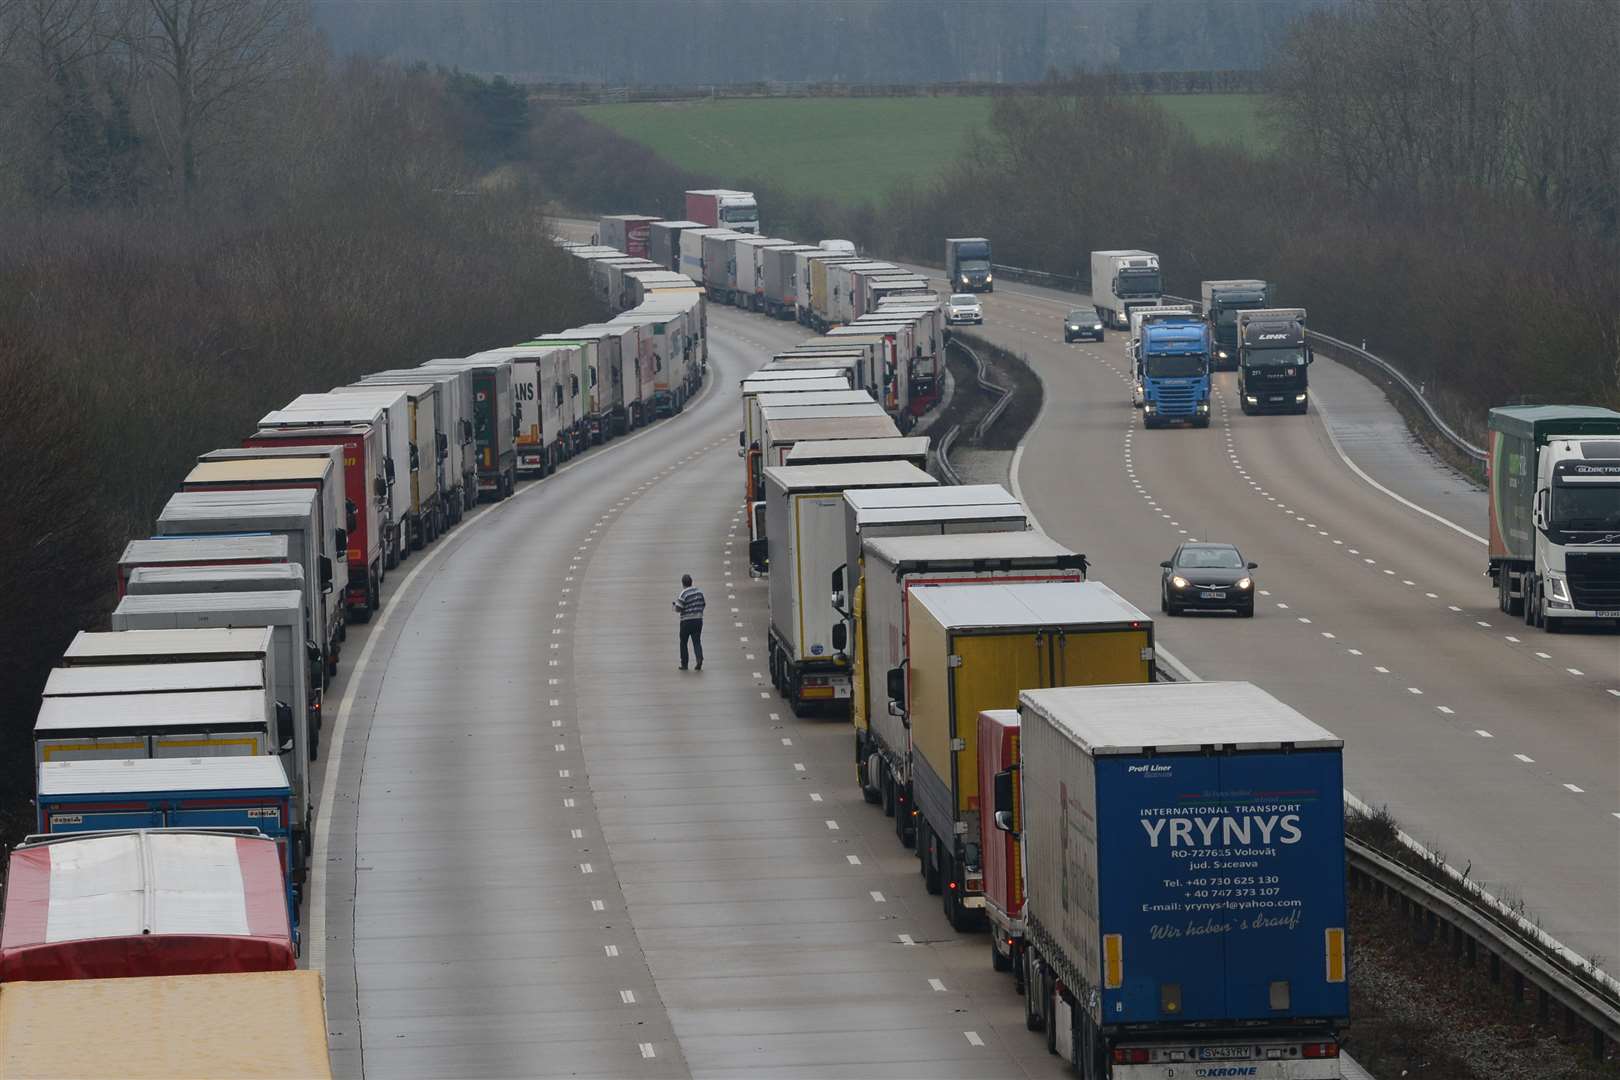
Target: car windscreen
{"points": [[963, 298], [1210, 559]]}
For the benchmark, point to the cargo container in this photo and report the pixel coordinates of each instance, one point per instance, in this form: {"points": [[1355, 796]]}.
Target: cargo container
{"points": [[724, 207], [751, 269], [258, 549], [320, 474], [494, 423], [815, 304], [912, 448], [192, 677], [174, 793], [373, 541], [458, 465], [854, 358], [202, 625], [975, 647], [664, 242], [620, 295], [675, 325], [1553, 482], [111, 727], [780, 279], [784, 431], [595, 397], [427, 517], [152, 1030], [1122, 280], [1184, 881], [626, 232], [748, 436], [147, 901], [693, 250], [720, 264], [339, 500], [542, 377], [837, 306], [804, 544]]}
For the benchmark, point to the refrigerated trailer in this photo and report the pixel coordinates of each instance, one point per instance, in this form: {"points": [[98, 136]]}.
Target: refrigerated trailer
{"points": [[427, 516], [781, 279], [318, 474], [1122, 280], [256, 549], [975, 647], [494, 422], [912, 448], [458, 466], [664, 242], [626, 232], [1185, 880]]}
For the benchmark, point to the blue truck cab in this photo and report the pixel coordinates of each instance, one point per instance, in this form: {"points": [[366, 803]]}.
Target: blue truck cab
{"points": [[1172, 356]]}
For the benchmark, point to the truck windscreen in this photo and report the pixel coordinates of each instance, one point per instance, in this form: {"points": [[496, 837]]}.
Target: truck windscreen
{"points": [[1595, 507], [1138, 283], [748, 212], [968, 253], [1226, 310], [1184, 366], [1291, 357]]}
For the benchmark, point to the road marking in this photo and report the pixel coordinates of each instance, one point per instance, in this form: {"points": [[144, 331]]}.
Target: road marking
{"points": [[563, 774], [1453, 607], [597, 905], [1526, 759], [1414, 690], [568, 804], [1482, 733], [832, 825], [1511, 638], [1303, 619], [854, 860], [1445, 709], [939, 987], [627, 996], [1381, 670], [815, 796], [1576, 790], [1544, 656], [611, 950], [905, 939], [798, 766], [877, 897], [647, 1050], [787, 742], [560, 747], [973, 1038], [776, 716], [1328, 635], [576, 834], [1575, 671], [585, 868], [1482, 622]]}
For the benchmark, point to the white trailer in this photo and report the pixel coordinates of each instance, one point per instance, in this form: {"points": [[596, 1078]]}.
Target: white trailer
{"points": [[912, 448], [1122, 280], [427, 517], [458, 457]]}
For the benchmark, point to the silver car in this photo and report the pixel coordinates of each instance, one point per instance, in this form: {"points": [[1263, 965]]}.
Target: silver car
{"points": [[963, 308]]}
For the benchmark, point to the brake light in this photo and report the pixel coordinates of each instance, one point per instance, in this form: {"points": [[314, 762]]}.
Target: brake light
{"points": [[1131, 1056], [1320, 1050]]}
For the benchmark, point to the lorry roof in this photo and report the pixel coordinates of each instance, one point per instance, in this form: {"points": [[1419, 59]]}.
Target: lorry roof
{"points": [[313, 433], [943, 495], [267, 576], [259, 772], [313, 409], [967, 547], [265, 453], [851, 474], [1530, 420], [190, 677], [245, 470], [181, 549], [784, 387], [274, 608], [1235, 283], [846, 396], [92, 645], [941, 515], [809, 451], [966, 240], [865, 426], [1018, 606], [132, 712], [779, 413], [678, 224], [212, 508], [419, 389], [1176, 718]]}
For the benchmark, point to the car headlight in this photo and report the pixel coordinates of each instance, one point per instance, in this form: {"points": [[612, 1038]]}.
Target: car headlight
{"points": [[988, 278], [1221, 353], [1203, 406], [1073, 327], [1179, 582], [1557, 590], [1096, 326], [1245, 583], [1299, 398], [1251, 399]]}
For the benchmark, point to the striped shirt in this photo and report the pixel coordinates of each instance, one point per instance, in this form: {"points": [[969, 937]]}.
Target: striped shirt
{"points": [[689, 604]]}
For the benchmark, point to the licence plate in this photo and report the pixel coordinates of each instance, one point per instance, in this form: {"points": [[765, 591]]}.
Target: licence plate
{"points": [[1223, 1053], [1212, 595], [841, 690], [1608, 614]]}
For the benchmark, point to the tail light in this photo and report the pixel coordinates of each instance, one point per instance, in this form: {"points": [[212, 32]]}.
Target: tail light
{"points": [[1131, 1056], [1320, 1050]]}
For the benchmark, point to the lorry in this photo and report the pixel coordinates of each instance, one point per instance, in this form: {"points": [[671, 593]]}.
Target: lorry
{"points": [[628, 233], [246, 792], [1134, 342], [543, 399], [976, 647], [1273, 355], [1553, 478], [322, 474], [912, 448], [664, 242], [588, 385], [254, 549], [967, 264], [1001, 851], [277, 1028], [751, 269], [724, 208], [1184, 886], [804, 543], [748, 436], [114, 902], [781, 279], [371, 549], [340, 503], [891, 568], [458, 466], [1222, 302], [816, 304], [494, 417], [720, 264], [1122, 280], [1173, 357], [616, 377], [426, 517], [693, 248]]}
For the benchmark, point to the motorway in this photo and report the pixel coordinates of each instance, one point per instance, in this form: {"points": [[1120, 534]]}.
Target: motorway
{"points": [[546, 851]]}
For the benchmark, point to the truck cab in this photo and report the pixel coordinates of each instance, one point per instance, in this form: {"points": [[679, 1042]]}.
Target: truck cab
{"points": [[1173, 359], [1272, 360], [1222, 302], [967, 264]]}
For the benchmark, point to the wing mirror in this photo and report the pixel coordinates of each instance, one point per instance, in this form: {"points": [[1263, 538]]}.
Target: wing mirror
{"points": [[1254, 566], [1165, 564], [1006, 803], [284, 728], [840, 636], [326, 572], [351, 515]]}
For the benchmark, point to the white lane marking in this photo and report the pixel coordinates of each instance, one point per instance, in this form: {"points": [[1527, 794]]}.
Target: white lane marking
{"points": [[1445, 709], [1354, 652], [1511, 638], [1482, 622], [1414, 690], [1616, 693], [1526, 759], [1576, 790], [1544, 656], [598, 905], [877, 897], [1575, 671], [939, 987], [1482, 733], [563, 774], [1328, 635], [1380, 669], [576, 834], [627, 996], [647, 1050], [1432, 596], [832, 825], [610, 950], [586, 868], [1453, 607], [776, 716], [798, 766], [973, 1038], [854, 860], [1303, 619], [568, 804], [905, 939]]}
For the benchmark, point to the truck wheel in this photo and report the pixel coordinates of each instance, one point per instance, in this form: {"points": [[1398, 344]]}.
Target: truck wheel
{"points": [[1510, 604], [886, 783], [1049, 993], [314, 742], [1529, 602], [374, 597], [998, 961], [1201, 421], [933, 872], [874, 795], [1033, 1020]]}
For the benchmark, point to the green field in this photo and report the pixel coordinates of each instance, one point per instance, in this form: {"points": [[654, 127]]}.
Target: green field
{"points": [[812, 146]]}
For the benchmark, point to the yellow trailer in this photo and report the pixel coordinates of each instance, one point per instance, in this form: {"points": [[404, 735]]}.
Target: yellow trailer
{"points": [[973, 648], [258, 1024]]}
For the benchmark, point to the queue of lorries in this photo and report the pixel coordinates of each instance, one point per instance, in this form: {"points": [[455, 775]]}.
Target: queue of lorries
{"points": [[1160, 865], [174, 796]]}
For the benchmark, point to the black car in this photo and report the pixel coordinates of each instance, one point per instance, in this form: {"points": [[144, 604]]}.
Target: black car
{"points": [[1207, 577], [1082, 322]]}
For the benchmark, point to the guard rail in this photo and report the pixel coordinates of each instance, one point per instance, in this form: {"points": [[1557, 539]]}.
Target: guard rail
{"points": [[1003, 400]]}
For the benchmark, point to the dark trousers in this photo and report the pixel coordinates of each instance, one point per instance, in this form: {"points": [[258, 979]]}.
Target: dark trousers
{"points": [[692, 630]]}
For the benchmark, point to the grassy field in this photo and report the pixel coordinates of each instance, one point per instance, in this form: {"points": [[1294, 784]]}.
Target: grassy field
{"points": [[811, 144]]}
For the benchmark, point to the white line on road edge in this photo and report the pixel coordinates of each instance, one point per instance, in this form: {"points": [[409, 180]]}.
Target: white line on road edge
{"points": [[316, 936]]}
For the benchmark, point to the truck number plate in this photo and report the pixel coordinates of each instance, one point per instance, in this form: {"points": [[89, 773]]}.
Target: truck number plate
{"points": [[841, 690], [1608, 614], [1223, 1053], [1210, 595]]}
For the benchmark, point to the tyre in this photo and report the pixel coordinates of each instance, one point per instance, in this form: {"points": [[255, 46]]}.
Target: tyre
{"points": [[391, 557], [926, 848], [1248, 612], [886, 790], [314, 742], [1528, 604], [1030, 979], [1164, 600], [1201, 421], [1048, 1012], [998, 961], [374, 596]]}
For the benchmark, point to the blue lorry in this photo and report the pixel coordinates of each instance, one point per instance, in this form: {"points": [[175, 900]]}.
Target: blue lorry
{"points": [[1184, 881], [1172, 355]]}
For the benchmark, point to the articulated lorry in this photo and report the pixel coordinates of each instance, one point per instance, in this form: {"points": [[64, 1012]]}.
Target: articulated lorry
{"points": [[254, 549], [1122, 280], [1554, 493], [664, 242], [967, 264], [458, 466], [1184, 886], [975, 647], [1133, 345], [427, 516], [892, 568], [1172, 360], [723, 208], [626, 232], [1222, 302], [494, 418], [1272, 359]]}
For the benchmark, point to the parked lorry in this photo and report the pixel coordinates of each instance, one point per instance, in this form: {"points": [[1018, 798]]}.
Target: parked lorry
{"points": [[1553, 477], [975, 647], [594, 396], [1222, 302], [723, 207], [664, 242], [1001, 852], [628, 233], [804, 511], [912, 448], [458, 465], [818, 302], [1273, 356], [542, 378], [1122, 280], [255, 549], [891, 569], [494, 423], [967, 264], [117, 902], [340, 502], [694, 247], [318, 474], [615, 357], [270, 1023], [1185, 888], [426, 517], [1133, 345], [720, 264], [212, 792], [781, 279], [751, 269], [1174, 362]]}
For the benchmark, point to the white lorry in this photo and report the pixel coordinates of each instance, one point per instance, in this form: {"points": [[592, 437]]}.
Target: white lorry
{"points": [[1122, 280]]}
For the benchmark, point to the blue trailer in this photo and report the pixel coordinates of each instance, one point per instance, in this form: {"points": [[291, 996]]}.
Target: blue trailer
{"points": [[173, 793], [1184, 880], [1173, 353]]}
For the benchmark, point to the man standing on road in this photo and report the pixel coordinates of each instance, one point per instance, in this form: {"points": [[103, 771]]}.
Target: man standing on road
{"points": [[689, 608]]}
